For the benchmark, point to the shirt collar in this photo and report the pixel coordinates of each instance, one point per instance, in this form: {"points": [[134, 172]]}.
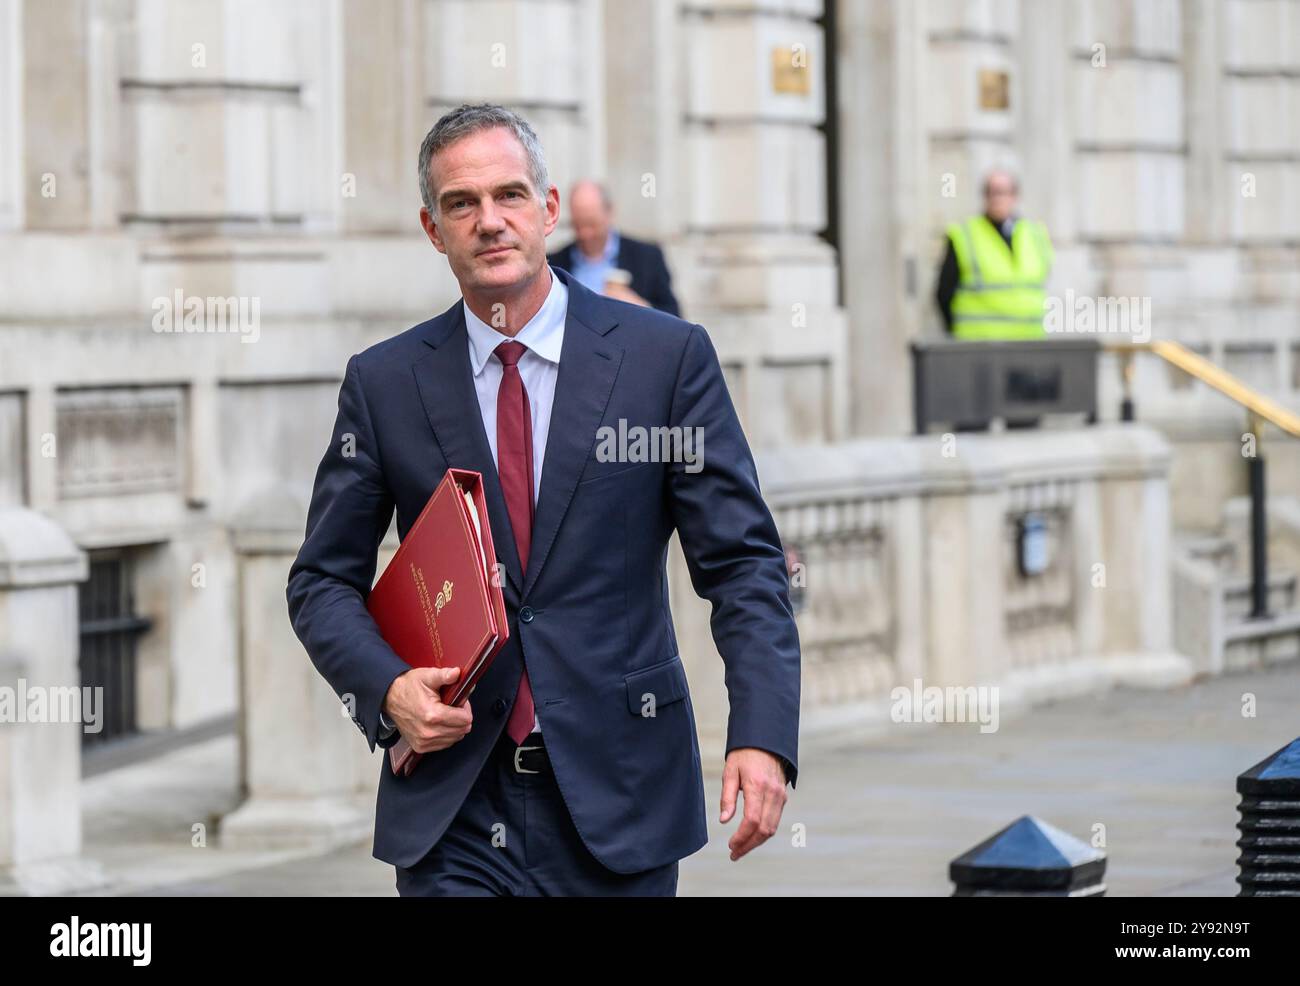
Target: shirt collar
{"points": [[609, 256], [543, 333], [1006, 226]]}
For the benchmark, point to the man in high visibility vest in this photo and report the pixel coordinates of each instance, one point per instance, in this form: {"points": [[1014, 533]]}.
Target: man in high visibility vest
{"points": [[993, 281]]}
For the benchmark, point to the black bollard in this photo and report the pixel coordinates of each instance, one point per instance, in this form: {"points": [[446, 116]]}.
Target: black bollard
{"points": [[1029, 858], [1270, 826]]}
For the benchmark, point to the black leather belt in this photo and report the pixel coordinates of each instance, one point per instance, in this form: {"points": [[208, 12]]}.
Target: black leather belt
{"points": [[529, 757]]}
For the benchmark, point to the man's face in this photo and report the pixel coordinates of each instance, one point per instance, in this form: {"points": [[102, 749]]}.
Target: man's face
{"points": [[489, 223], [999, 197], [590, 220]]}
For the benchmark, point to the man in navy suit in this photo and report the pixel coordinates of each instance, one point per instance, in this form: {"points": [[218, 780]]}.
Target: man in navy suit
{"points": [[598, 250], [575, 768]]}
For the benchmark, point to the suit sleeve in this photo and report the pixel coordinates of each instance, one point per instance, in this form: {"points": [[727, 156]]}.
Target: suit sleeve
{"points": [[662, 296], [329, 581], [736, 560]]}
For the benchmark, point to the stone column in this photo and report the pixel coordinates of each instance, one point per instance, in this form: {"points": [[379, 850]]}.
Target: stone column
{"points": [[727, 169], [55, 112], [882, 168], [646, 172], [1045, 121], [1135, 499], [309, 777], [41, 712], [1204, 96], [383, 118], [12, 155], [964, 594]]}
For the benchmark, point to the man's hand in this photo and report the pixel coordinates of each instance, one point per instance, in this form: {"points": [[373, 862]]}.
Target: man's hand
{"points": [[624, 293], [414, 704], [756, 774]]}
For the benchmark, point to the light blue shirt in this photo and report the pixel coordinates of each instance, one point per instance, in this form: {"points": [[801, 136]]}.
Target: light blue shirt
{"points": [[592, 273], [543, 334]]}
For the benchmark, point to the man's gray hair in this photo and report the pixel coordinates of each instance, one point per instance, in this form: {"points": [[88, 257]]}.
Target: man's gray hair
{"points": [[467, 119]]}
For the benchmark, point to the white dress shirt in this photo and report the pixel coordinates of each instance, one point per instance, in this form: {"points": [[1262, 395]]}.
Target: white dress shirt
{"points": [[538, 367]]}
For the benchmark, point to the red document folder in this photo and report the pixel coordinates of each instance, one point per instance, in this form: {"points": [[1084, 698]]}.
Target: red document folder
{"points": [[439, 602]]}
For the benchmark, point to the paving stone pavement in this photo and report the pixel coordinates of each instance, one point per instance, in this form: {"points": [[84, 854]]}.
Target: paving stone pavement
{"points": [[881, 817]]}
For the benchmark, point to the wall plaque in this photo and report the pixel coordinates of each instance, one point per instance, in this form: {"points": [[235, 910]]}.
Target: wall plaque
{"points": [[995, 89], [791, 73]]}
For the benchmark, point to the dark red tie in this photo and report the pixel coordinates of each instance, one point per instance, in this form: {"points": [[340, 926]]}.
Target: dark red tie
{"points": [[515, 469]]}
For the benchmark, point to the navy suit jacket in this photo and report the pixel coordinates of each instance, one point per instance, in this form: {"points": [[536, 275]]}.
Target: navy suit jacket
{"points": [[644, 261], [590, 616]]}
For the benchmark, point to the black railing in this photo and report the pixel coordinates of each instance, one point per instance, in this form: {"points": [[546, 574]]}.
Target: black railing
{"points": [[110, 630]]}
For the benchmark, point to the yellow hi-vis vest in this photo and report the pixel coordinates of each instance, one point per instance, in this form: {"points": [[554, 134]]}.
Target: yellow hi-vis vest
{"points": [[1002, 290]]}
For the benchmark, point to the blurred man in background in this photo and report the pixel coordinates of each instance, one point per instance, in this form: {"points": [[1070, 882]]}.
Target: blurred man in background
{"points": [[994, 274], [609, 262]]}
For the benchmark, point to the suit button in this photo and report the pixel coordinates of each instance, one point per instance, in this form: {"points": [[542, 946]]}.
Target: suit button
{"points": [[526, 615], [499, 706]]}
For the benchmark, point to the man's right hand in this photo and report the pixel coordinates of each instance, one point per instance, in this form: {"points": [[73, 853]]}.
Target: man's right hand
{"points": [[415, 705]]}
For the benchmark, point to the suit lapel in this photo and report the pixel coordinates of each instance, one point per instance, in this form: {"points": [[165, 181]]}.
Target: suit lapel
{"points": [[446, 387]]}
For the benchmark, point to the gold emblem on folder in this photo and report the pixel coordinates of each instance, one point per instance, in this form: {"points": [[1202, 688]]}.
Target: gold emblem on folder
{"points": [[444, 597]]}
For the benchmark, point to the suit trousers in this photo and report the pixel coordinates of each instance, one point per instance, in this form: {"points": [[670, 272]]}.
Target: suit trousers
{"points": [[513, 836]]}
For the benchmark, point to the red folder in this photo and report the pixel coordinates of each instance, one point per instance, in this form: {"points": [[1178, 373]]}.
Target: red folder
{"points": [[439, 601]]}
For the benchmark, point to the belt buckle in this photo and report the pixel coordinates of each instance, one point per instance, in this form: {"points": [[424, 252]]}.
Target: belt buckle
{"points": [[518, 753]]}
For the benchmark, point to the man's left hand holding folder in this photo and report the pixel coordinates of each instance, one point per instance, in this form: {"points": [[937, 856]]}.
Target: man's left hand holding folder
{"points": [[415, 706]]}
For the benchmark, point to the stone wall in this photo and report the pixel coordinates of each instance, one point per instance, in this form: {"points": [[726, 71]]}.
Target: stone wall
{"points": [[910, 554]]}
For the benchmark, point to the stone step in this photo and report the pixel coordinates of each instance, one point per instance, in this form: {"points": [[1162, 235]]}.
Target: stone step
{"points": [[1237, 594], [1257, 643], [1219, 551]]}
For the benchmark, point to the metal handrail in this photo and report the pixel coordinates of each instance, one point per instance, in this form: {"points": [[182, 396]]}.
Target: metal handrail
{"points": [[1259, 409], [1196, 365]]}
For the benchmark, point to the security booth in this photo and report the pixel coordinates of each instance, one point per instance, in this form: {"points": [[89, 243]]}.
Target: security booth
{"points": [[967, 384]]}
